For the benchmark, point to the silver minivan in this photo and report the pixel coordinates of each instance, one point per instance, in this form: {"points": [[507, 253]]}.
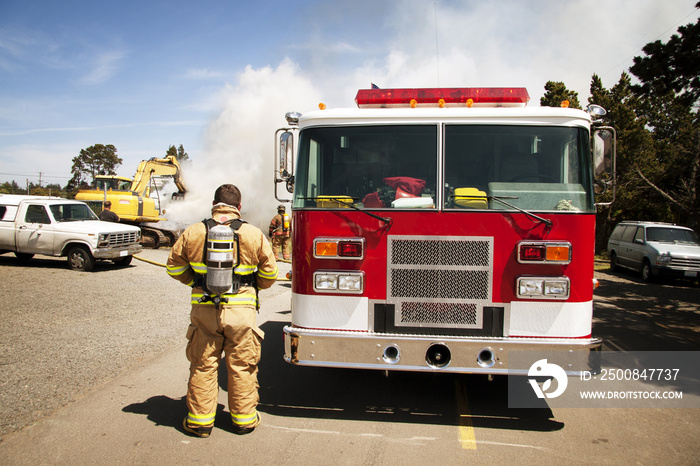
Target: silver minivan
{"points": [[655, 249]]}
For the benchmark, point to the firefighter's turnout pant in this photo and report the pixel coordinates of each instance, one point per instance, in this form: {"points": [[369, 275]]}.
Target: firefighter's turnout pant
{"points": [[231, 330], [281, 242]]}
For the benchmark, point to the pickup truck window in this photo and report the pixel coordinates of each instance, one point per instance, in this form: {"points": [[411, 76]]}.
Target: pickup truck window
{"points": [[72, 212], [36, 214]]}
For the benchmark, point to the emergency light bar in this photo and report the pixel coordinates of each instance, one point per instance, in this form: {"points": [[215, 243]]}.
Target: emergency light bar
{"points": [[443, 97]]}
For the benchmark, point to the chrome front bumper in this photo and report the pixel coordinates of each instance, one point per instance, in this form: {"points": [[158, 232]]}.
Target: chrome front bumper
{"points": [[475, 355], [117, 252]]}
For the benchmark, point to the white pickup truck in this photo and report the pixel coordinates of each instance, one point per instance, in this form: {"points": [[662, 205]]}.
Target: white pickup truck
{"points": [[54, 226]]}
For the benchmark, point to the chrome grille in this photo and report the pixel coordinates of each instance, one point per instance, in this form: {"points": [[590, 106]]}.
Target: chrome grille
{"points": [[120, 239], [440, 314], [689, 262], [446, 284], [439, 281], [441, 252]]}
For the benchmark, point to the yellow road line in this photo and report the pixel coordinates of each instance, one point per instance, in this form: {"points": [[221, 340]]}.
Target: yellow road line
{"points": [[466, 429]]}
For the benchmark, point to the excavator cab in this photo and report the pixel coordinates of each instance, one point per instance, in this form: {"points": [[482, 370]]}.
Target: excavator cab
{"points": [[112, 183]]}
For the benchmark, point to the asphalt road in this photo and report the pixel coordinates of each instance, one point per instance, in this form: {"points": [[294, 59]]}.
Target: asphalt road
{"points": [[130, 409]]}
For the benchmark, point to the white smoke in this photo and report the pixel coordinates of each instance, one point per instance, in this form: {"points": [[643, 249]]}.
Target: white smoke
{"points": [[240, 145], [455, 44]]}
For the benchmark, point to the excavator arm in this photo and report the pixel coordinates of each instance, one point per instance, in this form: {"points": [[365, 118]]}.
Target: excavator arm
{"points": [[147, 169]]}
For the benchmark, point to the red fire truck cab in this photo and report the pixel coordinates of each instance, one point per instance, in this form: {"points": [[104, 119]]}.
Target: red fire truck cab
{"points": [[442, 230]]}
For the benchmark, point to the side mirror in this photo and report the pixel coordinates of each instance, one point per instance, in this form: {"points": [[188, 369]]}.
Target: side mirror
{"points": [[284, 159], [603, 150], [286, 154]]}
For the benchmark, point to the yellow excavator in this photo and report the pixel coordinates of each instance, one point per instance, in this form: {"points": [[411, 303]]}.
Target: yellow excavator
{"points": [[138, 201]]}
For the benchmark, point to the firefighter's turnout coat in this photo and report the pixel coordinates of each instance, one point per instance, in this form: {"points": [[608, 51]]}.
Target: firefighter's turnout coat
{"points": [[280, 230], [229, 328]]}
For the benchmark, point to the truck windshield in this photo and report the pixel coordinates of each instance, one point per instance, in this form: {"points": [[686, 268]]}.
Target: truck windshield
{"points": [[368, 166], [72, 212], [397, 166], [540, 168]]}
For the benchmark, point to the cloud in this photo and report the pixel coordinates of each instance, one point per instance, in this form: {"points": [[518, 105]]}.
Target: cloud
{"points": [[21, 47], [52, 160], [509, 43], [328, 47], [203, 73], [104, 66], [63, 129]]}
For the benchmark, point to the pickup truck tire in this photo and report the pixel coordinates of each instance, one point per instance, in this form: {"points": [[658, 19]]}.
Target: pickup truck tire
{"points": [[23, 256], [123, 261], [80, 258]]}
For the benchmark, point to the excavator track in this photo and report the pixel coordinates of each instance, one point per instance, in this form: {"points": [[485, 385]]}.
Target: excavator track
{"points": [[153, 238]]}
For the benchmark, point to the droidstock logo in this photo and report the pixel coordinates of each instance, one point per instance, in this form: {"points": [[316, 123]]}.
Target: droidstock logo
{"points": [[543, 369]]}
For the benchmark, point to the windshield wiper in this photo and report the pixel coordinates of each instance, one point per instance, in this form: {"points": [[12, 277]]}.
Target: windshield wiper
{"points": [[500, 199], [386, 220]]}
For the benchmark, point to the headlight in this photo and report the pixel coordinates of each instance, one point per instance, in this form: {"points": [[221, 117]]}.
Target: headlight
{"points": [[103, 240], [339, 282], [325, 282], [543, 287], [664, 259]]}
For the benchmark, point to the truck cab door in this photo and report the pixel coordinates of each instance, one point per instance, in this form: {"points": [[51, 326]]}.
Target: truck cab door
{"points": [[35, 232]]}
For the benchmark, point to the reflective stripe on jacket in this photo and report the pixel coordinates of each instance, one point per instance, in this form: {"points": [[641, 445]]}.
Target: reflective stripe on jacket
{"points": [[187, 258]]}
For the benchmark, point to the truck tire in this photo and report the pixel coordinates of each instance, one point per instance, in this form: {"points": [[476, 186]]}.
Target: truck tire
{"points": [[123, 261], [23, 256], [80, 258]]}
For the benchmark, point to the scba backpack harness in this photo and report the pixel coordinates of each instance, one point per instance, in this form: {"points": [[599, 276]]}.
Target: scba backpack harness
{"points": [[221, 244]]}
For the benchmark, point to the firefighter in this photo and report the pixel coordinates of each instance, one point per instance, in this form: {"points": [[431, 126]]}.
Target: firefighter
{"points": [[226, 322], [280, 233]]}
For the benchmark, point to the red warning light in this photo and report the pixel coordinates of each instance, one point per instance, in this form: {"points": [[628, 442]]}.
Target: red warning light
{"points": [[452, 97]]}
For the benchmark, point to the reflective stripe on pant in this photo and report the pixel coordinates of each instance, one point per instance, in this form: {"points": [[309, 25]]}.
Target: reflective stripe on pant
{"points": [[231, 330]]}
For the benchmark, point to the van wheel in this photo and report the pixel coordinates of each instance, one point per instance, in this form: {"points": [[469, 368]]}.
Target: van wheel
{"points": [[613, 262], [79, 258], [647, 274]]}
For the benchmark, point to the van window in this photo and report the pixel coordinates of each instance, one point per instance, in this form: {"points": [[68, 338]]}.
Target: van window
{"points": [[628, 235], [639, 235], [617, 232], [671, 235]]}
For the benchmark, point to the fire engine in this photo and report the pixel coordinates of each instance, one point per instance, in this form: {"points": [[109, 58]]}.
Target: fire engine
{"points": [[442, 230]]}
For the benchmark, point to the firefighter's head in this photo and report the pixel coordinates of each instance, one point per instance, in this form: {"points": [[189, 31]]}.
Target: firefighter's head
{"points": [[228, 194], [280, 209]]}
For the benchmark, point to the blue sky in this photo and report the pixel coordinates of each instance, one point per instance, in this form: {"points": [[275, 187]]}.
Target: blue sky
{"points": [[217, 76]]}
